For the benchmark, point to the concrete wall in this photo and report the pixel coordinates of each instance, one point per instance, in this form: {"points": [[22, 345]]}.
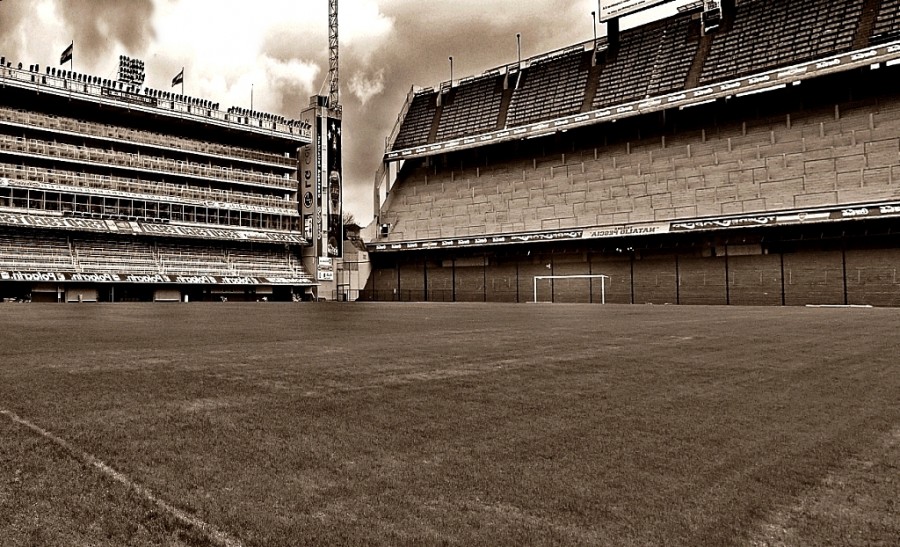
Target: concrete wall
{"points": [[793, 160], [810, 274]]}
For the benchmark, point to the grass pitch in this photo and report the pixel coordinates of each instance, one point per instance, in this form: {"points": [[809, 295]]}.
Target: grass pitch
{"points": [[419, 424]]}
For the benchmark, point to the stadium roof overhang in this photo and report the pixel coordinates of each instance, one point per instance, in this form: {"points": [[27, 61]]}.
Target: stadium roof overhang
{"points": [[888, 54]]}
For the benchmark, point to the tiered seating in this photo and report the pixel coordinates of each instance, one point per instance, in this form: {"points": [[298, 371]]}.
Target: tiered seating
{"points": [[264, 262], [47, 252], [145, 137], [549, 88], [814, 161], [651, 59], [887, 24], [142, 162], [673, 61], [192, 259], [474, 108], [115, 256], [772, 33], [417, 122], [20, 251], [142, 189]]}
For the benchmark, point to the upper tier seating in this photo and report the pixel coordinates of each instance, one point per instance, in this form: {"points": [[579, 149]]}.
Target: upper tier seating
{"points": [[471, 107], [143, 189], [887, 24], [417, 123], [153, 164], [548, 89], [772, 33], [652, 59], [145, 137]]}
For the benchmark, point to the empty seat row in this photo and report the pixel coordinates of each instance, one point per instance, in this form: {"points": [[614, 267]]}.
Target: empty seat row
{"points": [[772, 33], [158, 139], [548, 89], [472, 107]]}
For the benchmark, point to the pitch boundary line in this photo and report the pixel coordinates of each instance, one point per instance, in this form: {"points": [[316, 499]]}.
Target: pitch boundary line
{"points": [[218, 537]]}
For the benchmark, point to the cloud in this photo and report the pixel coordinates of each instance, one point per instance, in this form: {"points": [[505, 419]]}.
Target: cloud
{"points": [[364, 87], [99, 26]]}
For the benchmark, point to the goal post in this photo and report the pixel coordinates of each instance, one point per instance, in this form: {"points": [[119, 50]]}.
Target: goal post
{"points": [[601, 277]]}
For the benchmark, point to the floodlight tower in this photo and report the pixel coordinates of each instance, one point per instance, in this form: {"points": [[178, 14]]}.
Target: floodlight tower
{"points": [[334, 89]]}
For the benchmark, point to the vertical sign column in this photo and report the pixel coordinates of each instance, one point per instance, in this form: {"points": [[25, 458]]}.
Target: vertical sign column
{"points": [[321, 189], [309, 184], [335, 224]]}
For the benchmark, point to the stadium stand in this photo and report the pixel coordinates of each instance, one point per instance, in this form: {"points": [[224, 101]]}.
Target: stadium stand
{"points": [[110, 191], [887, 24], [772, 181], [471, 107], [550, 87], [112, 133], [92, 255], [28, 251], [773, 33], [769, 168], [650, 60], [418, 120]]}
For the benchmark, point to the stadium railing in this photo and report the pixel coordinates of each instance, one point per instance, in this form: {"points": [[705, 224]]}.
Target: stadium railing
{"points": [[141, 162], [144, 137], [142, 189]]}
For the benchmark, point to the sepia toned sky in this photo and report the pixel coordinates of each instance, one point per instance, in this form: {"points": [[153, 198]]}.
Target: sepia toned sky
{"points": [[280, 49]]}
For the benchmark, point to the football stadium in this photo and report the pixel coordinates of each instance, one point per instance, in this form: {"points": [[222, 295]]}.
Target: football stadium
{"points": [[740, 153], [510, 373]]}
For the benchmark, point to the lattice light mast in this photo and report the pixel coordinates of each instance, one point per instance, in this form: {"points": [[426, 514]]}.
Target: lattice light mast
{"points": [[334, 89]]}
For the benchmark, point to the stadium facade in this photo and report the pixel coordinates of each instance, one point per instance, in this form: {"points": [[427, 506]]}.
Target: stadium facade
{"points": [[735, 153], [112, 191]]}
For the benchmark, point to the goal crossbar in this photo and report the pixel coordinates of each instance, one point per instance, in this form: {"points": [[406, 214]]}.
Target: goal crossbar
{"points": [[601, 277]]}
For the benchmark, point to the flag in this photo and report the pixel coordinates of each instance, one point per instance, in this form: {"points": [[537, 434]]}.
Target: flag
{"points": [[67, 54], [179, 78]]}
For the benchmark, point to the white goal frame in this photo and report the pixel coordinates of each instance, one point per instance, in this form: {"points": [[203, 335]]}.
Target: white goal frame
{"points": [[601, 277]]}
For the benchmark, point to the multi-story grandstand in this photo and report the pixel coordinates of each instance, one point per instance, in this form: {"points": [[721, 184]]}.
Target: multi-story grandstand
{"points": [[112, 191], [738, 152]]}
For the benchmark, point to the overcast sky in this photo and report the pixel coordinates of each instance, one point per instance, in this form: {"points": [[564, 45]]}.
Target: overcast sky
{"points": [[280, 47]]}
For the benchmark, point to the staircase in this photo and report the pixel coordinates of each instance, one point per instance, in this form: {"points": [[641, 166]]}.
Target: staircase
{"points": [[592, 83], [435, 123], [505, 100], [866, 23], [693, 77]]}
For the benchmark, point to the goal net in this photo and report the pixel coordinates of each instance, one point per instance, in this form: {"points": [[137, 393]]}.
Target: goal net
{"points": [[551, 278]]}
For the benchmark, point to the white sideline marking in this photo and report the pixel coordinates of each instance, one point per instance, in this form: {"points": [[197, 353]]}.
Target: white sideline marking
{"points": [[851, 306], [218, 537]]}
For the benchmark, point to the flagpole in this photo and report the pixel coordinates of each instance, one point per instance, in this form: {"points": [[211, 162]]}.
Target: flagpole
{"points": [[182, 81], [72, 57]]}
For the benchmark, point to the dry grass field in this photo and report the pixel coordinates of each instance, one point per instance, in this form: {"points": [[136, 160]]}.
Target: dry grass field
{"points": [[456, 424]]}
